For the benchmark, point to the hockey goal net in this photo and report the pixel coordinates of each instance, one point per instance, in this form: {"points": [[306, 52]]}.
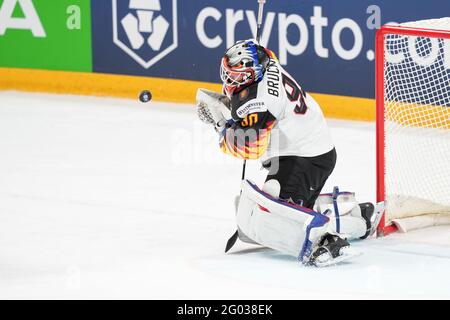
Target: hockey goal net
{"points": [[413, 124]]}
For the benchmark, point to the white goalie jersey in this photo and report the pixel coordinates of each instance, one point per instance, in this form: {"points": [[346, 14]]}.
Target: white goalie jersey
{"points": [[275, 117]]}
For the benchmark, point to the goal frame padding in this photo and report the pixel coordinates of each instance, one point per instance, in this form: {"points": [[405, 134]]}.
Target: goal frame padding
{"points": [[384, 229]]}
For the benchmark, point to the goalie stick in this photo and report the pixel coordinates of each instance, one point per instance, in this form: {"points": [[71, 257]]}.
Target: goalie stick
{"points": [[261, 3], [258, 38]]}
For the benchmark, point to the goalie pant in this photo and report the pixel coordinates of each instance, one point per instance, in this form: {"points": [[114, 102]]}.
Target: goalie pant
{"points": [[290, 228]]}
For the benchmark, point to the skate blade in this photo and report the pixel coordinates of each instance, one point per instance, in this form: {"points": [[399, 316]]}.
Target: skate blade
{"points": [[379, 211], [346, 254]]}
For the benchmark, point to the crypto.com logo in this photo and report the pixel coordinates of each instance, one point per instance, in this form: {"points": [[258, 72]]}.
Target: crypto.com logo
{"points": [[140, 30]]}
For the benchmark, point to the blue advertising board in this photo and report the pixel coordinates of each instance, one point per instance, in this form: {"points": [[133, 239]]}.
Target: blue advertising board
{"points": [[328, 46]]}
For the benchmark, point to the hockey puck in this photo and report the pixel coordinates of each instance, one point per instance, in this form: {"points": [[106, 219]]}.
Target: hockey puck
{"points": [[145, 96]]}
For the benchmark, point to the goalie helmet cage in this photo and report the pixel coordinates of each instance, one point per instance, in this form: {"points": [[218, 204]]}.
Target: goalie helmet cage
{"points": [[413, 124]]}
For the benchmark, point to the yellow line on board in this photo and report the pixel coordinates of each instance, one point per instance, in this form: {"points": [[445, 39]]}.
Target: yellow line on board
{"points": [[418, 115], [163, 89], [344, 107]]}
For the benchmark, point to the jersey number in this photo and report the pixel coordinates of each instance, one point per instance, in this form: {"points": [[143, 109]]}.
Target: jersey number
{"points": [[250, 120], [295, 94]]}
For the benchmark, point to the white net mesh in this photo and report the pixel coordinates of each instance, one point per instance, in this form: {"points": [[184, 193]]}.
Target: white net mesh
{"points": [[417, 122]]}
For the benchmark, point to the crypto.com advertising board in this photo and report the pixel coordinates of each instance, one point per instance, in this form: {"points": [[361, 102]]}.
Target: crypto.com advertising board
{"points": [[327, 45]]}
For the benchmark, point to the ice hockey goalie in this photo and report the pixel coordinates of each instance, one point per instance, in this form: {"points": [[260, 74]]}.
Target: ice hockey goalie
{"points": [[263, 113]]}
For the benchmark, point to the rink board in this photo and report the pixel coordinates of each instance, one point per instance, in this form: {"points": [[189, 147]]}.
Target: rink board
{"points": [[171, 90]]}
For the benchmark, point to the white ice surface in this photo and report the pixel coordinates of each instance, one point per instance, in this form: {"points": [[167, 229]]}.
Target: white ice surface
{"points": [[106, 198]]}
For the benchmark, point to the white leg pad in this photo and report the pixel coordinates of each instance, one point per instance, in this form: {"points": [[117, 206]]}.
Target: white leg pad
{"points": [[352, 225], [288, 228]]}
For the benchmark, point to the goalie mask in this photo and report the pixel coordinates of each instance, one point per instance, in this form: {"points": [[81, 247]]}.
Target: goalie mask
{"points": [[243, 64]]}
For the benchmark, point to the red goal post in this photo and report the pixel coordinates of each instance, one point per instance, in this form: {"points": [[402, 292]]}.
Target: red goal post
{"points": [[413, 124]]}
